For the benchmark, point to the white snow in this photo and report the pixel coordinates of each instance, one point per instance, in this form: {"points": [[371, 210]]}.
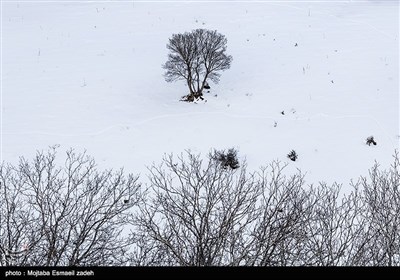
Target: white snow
{"points": [[88, 75]]}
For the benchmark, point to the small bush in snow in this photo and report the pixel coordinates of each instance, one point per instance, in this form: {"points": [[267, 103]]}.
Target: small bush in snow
{"points": [[292, 155], [227, 159], [370, 140]]}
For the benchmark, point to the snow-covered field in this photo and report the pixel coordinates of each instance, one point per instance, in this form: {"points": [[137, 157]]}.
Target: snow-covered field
{"points": [[88, 75]]}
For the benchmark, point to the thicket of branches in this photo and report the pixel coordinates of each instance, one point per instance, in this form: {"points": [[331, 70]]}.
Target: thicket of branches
{"points": [[68, 215], [196, 57], [194, 213]]}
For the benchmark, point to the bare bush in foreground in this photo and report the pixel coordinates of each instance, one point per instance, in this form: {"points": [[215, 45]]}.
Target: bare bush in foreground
{"points": [[286, 206], [196, 57], [379, 245], [200, 212], [64, 215]]}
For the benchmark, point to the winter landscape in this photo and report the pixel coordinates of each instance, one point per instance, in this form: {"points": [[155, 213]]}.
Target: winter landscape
{"points": [[316, 77], [89, 76]]}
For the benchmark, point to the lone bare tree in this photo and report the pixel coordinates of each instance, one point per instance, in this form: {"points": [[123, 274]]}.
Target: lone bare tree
{"points": [[286, 206], [70, 215], [196, 57], [199, 214]]}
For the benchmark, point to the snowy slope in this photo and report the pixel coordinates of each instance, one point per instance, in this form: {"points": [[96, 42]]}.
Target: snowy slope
{"points": [[88, 76]]}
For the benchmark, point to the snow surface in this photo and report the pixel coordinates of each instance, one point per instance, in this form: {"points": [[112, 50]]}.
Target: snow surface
{"points": [[88, 75]]}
